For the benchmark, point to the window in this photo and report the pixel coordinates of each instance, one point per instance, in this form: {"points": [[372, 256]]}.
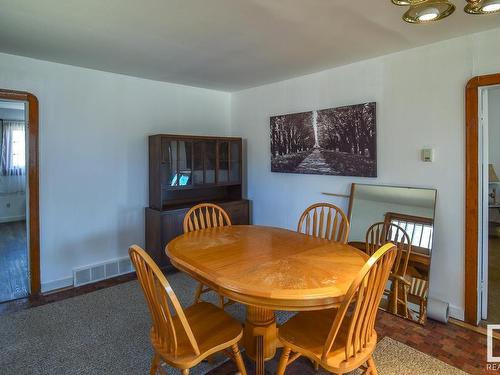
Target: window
{"points": [[13, 148], [419, 229], [18, 149]]}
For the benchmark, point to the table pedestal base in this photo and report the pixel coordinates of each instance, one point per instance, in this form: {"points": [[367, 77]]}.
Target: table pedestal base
{"points": [[260, 336]]}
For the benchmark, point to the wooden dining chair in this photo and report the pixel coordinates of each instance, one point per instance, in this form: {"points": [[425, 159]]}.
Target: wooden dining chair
{"points": [[202, 216], [324, 220], [417, 294], [183, 338], [379, 234], [205, 215], [344, 339]]}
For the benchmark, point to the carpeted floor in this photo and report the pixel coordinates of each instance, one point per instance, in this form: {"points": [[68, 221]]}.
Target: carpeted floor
{"points": [[103, 332], [391, 358], [106, 332]]}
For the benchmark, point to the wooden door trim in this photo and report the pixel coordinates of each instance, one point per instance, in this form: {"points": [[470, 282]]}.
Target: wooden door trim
{"points": [[472, 191], [33, 184]]}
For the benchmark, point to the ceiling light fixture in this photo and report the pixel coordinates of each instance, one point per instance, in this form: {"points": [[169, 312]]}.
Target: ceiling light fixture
{"points": [[424, 11], [407, 2], [482, 6], [428, 10], [401, 2]]}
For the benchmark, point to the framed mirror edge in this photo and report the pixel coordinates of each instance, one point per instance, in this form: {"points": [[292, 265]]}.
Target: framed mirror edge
{"points": [[33, 184], [435, 191]]}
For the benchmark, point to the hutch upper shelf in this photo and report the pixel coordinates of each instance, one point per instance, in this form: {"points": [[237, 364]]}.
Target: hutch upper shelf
{"points": [[181, 163]]}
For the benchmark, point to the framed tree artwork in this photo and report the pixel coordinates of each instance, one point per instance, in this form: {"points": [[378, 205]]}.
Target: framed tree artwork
{"points": [[336, 141]]}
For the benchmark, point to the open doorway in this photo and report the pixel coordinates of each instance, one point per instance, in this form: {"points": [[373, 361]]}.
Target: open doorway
{"points": [[489, 150], [479, 198], [19, 196], [14, 280]]}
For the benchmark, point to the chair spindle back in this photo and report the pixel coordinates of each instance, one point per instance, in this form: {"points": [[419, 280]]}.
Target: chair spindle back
{"points": [[324, 220], [159, 296], [367, 288], [205, 215], [381, 233]]}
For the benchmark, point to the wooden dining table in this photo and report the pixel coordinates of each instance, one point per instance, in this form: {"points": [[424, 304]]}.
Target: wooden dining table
{"points": [[267, 269]]}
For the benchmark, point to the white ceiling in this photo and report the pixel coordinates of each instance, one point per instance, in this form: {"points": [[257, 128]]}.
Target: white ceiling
{"points": [[219, 44]]}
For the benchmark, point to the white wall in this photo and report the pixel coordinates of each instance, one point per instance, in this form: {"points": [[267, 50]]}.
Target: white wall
{"points": [[494, 128], [93, 154], [420, 102]]}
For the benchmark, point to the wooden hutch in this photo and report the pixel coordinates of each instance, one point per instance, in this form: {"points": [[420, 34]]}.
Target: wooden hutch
{"points": [[185, 170]]}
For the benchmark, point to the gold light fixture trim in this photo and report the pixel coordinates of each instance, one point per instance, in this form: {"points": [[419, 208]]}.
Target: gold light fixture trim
{"points": [[482, 6], [425, 11], [428, 11], [401, 2]]}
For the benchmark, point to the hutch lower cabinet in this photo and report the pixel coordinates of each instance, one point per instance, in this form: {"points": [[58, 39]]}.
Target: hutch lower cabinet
{"points": [[164, 226]]}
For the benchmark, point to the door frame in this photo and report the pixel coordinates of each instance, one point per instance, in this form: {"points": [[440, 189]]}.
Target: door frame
{"points": [[472, 193], [33, 184]]}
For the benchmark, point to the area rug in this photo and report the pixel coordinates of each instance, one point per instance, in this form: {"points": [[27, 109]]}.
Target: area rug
{"points": [[102, 332], [106, 332], [395, 358], [391, 358]]}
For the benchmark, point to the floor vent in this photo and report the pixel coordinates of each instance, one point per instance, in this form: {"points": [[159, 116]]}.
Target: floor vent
{"points": [[101, 271]]}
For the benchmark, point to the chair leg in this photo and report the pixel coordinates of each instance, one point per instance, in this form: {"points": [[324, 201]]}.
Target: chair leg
{"points": [[221, 302], [405, 300], [395, 297], [372, 369], [197, 295], [315, 364], [283, 361], [238, 359], [185, 371], [154, 364]]}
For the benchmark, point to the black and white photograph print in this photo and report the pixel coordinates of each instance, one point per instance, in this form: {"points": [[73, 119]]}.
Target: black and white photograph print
{"points": [[336, 141]]}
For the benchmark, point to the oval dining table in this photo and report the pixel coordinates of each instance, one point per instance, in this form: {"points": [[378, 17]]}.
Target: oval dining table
{"points": [[267, 269]]}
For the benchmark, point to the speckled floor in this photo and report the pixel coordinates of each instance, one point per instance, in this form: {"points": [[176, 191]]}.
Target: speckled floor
{"points": [[391, 358], [106, 331]]}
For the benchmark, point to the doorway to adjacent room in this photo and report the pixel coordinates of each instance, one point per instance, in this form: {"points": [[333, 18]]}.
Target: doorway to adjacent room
{"points": [[19, 213], [13, 197], [489, 182]]}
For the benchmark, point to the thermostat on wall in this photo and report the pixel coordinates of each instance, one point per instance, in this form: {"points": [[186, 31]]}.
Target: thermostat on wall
{"points": [[428, 155]]}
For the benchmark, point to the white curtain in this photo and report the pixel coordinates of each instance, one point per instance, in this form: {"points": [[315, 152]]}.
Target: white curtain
{"points": [[13, 157]]}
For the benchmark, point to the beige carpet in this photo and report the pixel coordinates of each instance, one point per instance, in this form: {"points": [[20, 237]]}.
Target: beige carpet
{"points": [[395, 358], [391, 358]]}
